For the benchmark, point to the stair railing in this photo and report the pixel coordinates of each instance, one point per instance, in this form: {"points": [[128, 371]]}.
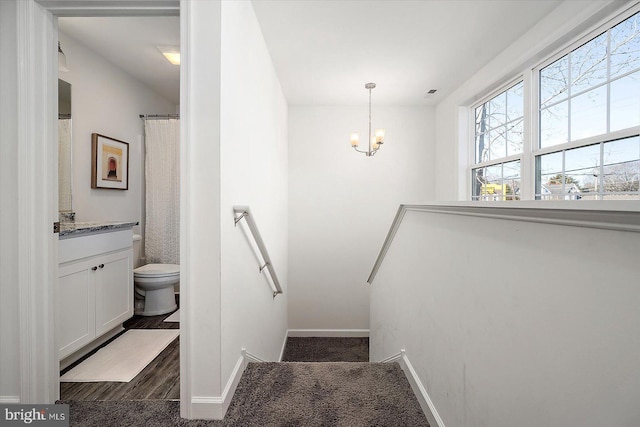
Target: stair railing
{"points": [[623, 217], [241, 212]]}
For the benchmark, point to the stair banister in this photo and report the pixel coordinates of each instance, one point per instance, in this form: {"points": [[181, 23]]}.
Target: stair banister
{"points": [[619, 216], [244, 212]]}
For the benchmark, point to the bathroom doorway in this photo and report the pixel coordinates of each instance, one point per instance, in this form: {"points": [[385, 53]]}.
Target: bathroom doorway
{"points": [[117, 70]]}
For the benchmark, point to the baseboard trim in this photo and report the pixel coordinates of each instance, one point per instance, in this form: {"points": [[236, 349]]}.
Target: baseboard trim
{"points": [[215, 407], [9, 399], [395, 358], [248, 357], [340, 333], [284, 345], [206, 408], [419, 390]]}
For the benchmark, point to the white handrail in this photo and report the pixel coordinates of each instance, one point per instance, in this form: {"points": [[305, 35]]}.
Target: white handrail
{"points": [[624, 218], [245, 212]]}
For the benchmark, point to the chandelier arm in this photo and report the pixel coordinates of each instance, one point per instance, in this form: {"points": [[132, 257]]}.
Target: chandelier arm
{"points": [[360, 151]]}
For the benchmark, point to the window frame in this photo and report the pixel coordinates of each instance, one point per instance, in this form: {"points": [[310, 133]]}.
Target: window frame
{"points": [[531, 112]]}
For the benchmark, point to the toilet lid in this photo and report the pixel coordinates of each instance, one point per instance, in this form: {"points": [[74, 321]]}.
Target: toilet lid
{"points": [[157, 270]]}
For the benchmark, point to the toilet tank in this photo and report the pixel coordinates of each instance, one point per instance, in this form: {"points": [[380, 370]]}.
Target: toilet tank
{"points": [[137, 251]]}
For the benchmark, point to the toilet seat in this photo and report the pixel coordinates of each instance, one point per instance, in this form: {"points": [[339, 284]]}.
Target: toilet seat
{"points": [[157, 270]]}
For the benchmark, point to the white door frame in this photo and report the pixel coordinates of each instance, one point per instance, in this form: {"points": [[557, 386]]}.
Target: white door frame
{"points": [[37, 183]]}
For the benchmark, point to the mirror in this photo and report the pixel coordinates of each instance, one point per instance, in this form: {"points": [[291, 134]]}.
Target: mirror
{"points": [[65, 151]]}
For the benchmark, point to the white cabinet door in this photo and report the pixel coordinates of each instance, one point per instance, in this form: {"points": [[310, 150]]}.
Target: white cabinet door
{"points": [[114, 290], [75, 306]]}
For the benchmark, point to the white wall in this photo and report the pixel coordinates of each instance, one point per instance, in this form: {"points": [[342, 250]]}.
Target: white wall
{"points": [[253, 151], [512, 323], [234, 152], [108, 101], [9, 292], [341, 204], [567, 21], [200, 209]]}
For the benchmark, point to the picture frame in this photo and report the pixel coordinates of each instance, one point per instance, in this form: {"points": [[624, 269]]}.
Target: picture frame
{"points": [[109, 163]]}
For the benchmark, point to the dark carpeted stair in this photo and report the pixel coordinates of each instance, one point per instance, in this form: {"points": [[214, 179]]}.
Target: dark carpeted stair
{"points": [[327, 382], [284, 394]]}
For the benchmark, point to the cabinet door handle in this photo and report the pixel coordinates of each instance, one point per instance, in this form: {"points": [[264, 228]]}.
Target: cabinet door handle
{"points": [[94, 268], [101, 266]]}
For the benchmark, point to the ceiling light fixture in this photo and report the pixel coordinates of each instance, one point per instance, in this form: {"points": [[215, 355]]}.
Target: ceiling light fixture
{"points": [[62, 59], [172, 53], [376, 140]]}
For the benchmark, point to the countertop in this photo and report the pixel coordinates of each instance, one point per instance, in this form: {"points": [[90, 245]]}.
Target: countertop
{"points": [[76, 229]]}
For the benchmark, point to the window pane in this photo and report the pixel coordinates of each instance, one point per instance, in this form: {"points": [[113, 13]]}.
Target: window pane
{"points": [[515, 137], [554, 80], [621, 150], [580, 183], [583, 157], [482, 148], [621, 170], [589, 114], [493, 174], [481, 119], [492, 189], [477, 179], [515, 102], [487, 182], [497, 111], [497, 143], [589, 64], [625, 46], [511, 180], [622, 178], [625, 102], [551, 164], [582, 168], [554, 125], [549, 172]]}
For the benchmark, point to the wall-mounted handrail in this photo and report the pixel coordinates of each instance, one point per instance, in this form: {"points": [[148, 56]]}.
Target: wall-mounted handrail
{"points": [[624, 217], [245, 212]]}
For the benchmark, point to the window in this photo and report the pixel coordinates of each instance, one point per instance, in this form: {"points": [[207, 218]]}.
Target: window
{"points": [[606, 170], [590, 94], [585, 143], [499, 142]]}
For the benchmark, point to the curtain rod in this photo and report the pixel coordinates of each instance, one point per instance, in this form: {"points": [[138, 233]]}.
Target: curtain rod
{"points": [[159, 116]]}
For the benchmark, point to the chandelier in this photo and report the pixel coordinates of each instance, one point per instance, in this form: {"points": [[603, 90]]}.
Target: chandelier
{"points": [[375, 140]]}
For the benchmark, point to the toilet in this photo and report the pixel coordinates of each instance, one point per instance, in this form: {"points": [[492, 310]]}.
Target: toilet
{"points": [[154, 287]]}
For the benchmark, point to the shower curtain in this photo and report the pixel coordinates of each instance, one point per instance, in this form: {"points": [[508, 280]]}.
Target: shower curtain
{"points": [[162, 178]]}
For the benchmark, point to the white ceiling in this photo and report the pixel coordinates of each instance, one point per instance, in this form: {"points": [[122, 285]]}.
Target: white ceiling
{"points": [[132, 43], [324, 51]]}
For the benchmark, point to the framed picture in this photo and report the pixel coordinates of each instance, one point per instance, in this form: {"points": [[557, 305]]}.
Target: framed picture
{"points": [[109, 163]]}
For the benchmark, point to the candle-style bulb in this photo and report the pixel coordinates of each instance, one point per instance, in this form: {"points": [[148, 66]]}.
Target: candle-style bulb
{"points": [[355, 137]]}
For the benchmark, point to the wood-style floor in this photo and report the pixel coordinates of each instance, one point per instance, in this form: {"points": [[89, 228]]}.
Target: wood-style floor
{"points": [[159, 380]]}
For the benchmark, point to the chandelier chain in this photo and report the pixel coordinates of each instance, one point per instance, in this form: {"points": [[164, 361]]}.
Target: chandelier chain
{"points": [[369, 120]]}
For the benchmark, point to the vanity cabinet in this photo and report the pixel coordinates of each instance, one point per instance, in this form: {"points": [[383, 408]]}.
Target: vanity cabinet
{"points": [[95, 287]]}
